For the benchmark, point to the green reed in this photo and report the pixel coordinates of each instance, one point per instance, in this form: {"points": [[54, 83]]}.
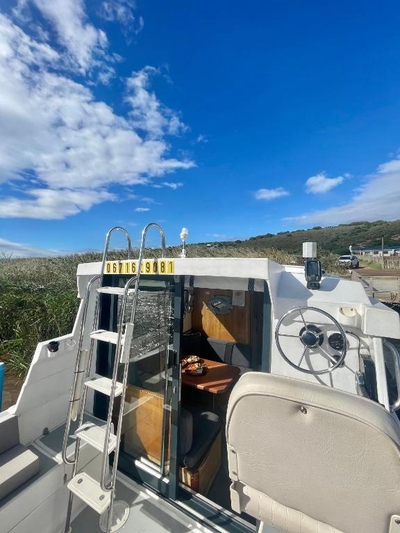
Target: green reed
{"points": [[38, 296]]}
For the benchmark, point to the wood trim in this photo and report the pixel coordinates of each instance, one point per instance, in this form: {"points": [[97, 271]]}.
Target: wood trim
{"points": [[232, 327]]}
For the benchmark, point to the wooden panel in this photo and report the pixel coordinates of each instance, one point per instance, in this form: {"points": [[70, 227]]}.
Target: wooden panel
{"points": [[142, 424], [232, 327]]}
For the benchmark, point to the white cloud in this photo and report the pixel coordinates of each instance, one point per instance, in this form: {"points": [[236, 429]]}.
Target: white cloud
{"points": [[80, 38], [16, 249], [122, 11], [142, 209], [320, 184], [148, 113], [270, 194], [202, 138], [378, 198], [53, 204], [64, 148], [389, 167], [170, 185]]}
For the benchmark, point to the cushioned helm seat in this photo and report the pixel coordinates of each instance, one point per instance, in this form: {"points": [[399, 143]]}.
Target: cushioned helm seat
{"points": [[305, 458]]}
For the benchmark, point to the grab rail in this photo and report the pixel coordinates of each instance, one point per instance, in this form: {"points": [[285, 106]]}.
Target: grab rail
{"points": [[396, 359]]}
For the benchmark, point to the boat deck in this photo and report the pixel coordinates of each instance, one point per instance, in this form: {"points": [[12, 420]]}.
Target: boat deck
{"points": [[148, 514]]}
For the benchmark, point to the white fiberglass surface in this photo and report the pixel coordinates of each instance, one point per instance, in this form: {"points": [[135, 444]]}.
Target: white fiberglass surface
{"points": [[148, 514]]}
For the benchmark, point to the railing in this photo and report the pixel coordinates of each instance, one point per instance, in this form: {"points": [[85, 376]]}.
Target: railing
{"points": [[2, 367], [389, 261], [386, 288]]}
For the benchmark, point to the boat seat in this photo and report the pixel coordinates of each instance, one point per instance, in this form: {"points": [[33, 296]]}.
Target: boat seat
{"points": [[200, 447], [232, 353], [306, 458], [198, 430], [17, 463]]}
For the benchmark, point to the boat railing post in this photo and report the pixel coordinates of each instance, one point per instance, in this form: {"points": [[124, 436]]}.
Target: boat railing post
{"points": [[2, 368]]}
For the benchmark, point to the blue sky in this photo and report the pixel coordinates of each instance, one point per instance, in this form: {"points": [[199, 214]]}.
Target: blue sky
{"points": [[232, 119]]}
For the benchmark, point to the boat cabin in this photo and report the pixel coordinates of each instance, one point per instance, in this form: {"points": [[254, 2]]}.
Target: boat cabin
{"points": [[241, 394]]}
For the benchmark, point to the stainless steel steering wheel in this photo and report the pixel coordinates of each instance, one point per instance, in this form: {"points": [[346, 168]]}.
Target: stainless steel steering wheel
{"points": [[327, 339]]}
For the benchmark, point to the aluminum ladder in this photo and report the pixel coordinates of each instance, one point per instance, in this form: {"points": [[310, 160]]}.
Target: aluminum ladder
{"points": [[100, 495]]}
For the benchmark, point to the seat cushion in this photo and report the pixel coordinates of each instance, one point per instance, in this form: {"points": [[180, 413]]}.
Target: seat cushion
{"points": [[206, 426], [17, 465], [9, 434], [279, 516]]}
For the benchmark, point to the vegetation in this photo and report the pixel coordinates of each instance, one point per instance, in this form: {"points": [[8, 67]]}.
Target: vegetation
{"points": [[335, 239], [38, 296]]}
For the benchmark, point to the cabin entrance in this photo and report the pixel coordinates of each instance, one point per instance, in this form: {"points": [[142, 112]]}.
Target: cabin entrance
{"points": [[226, 326], [148, 428], [173, 434]]}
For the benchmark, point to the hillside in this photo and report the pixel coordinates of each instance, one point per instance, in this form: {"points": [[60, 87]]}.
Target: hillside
{"points": [[335, 239]]}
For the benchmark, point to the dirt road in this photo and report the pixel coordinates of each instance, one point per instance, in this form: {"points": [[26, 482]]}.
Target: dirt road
{"points": [[11, 389], [382, 273]]}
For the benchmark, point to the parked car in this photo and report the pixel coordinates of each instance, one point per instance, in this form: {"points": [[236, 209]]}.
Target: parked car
{"points": [[349, 261]]}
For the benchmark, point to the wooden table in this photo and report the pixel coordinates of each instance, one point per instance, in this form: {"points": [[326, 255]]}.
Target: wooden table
{"points": [[218, 378]]}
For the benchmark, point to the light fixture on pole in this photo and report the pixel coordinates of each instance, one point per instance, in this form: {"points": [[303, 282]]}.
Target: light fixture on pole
{"points": [[184, 235]]}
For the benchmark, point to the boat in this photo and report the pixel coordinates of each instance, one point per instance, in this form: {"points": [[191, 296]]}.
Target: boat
{"points": [[208, 395]]}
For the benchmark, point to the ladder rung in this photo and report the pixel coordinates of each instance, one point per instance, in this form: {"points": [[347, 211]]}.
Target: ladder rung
{"points": [[119, 291], [95, 435], [103, 385], [89, 491], [104, 335]]}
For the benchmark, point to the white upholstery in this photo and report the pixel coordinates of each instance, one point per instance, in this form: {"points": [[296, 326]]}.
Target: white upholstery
{"points": [[305, 458]]}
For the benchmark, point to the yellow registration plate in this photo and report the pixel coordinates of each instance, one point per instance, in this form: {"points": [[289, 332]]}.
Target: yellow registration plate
{"points": [[148, 266]]}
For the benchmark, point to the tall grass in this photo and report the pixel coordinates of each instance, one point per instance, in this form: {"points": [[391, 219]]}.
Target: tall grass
{"points": [[38, 297]]}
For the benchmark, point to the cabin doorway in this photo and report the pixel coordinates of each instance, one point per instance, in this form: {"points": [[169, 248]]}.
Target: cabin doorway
{"points": [[148, 429], [228, 328], [174, 425]]}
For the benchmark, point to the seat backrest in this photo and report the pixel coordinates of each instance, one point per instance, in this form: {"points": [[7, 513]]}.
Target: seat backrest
{"points": [[306, 458], [232, 353]]}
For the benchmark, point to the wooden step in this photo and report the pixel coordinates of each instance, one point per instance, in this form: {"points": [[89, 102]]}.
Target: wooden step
{"points": [[103, 385], [89, 491], [94, 435]]}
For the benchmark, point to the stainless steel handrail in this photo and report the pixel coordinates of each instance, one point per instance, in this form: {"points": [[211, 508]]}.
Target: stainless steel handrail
{"points": [[396, 359], [107, 244], [77, 372], [136, 279], [104, 485], [80, 396]]}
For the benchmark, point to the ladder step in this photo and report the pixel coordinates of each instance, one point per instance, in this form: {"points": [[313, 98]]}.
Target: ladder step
{"points": [[89, 491], [119, 291], [104, 335], [103, 385], [95, 435]]}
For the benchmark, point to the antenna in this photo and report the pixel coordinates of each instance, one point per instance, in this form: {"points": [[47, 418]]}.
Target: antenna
{"points": [[183, 236]]}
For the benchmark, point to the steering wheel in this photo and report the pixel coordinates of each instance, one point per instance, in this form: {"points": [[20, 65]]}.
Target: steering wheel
{"points": [[327, 340]]}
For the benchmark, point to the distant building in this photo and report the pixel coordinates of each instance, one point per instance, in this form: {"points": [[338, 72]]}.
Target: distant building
{"points": [[389, 251]]}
